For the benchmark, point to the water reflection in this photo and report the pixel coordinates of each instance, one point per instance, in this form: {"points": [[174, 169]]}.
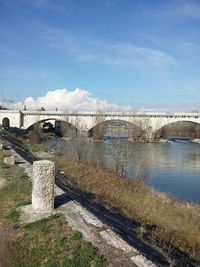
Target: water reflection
{"points": [[170, 167]]}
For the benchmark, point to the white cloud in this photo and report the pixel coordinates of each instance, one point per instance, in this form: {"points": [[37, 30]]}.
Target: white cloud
{"points": [[101, 52], [65, 100], [140, 56], [173, 10], [187, 9], [38, 4]]}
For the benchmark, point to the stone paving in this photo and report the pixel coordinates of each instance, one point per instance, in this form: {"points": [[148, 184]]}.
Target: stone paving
{"points": [[113, 247], [117, 252]]}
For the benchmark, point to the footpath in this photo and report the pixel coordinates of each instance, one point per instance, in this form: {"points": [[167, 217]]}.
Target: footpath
{"points": [[117, 252]]}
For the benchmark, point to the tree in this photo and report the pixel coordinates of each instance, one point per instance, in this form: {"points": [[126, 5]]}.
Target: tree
{"points": [[128, 155], [98, 131], [120, 155], [79, 141]]}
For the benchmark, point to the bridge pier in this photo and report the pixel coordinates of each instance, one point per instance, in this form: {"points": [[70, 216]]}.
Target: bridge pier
{"points": [[149, 135]]}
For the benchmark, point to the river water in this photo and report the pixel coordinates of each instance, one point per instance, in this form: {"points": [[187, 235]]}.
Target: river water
{"points": [[176, 169], [173, 167]]}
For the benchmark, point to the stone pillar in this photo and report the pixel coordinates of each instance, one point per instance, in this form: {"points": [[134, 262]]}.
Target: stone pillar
{"points": [[149, 135], [43, 185]]}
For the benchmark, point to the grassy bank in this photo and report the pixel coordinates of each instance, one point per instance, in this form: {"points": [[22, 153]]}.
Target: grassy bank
{"points": [[48, 242], [167, 220], [170, 221]]}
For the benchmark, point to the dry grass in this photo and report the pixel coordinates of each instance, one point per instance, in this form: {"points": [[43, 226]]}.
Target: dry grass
{"points": [[173, 221], [15, 192], [170, 220], [5, 247], [48, 242]]}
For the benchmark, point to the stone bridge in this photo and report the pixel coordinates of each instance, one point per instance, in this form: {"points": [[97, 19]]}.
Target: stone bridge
{"points": [[85, 121]]}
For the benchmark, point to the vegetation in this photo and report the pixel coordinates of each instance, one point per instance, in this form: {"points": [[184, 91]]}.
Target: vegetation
{"points": [[179, 129], [48, 242], [169, 221], [53, 243]]}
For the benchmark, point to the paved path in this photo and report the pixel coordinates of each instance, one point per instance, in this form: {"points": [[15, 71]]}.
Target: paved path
{"points": [[115, 249]]}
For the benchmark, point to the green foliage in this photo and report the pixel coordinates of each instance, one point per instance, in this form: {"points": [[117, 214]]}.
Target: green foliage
{"points": [[77, 235], [51, 242], [14, 215], [3, 165], [83, 256], [23, 176], [61, 240], [23, 203]]}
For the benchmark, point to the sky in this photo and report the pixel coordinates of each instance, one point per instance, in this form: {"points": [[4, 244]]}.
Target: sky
{"points": [[100, 54]]}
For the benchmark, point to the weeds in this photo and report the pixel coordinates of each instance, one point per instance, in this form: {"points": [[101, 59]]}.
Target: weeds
{"points": [[3, 165], [48, 242], [14, 215], [77, 236], [175, 224], [51, 242]]}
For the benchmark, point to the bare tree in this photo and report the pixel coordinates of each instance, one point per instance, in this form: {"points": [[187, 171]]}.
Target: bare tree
{"points": [[140, 163], [79, 141], [120, 155], [80, 147], [129, 157], [98, 131]]}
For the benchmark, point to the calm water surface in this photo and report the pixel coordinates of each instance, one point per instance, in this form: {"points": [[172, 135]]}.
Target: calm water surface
{"points": [[173, 167], [177, 171]]}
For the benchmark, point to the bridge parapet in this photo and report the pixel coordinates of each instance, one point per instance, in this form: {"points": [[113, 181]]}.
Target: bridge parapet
{"points": [[87, 120]]}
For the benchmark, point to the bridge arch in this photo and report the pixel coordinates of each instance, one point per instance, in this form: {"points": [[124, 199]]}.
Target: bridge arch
{"points": [[115, 127], [179, 128], [60, 127], [6, 123]]}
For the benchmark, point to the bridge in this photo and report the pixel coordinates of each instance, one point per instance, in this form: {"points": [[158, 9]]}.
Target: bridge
{"points": [[150, 122]]}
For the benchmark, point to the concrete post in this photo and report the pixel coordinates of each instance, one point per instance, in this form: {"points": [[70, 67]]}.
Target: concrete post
{"points": [[43, 185]]}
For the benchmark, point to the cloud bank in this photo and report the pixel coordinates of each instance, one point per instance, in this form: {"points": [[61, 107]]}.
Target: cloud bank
{"points": [[66, 100]]}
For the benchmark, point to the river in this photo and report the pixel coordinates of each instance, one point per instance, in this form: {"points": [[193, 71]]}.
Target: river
{"points": [[173, 167]]}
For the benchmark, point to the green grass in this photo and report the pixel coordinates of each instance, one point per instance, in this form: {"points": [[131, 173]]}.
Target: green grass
{"points": [[3, 165], [77, 236], [51, 242], [170, 221], [14, 215], [48, 242]]}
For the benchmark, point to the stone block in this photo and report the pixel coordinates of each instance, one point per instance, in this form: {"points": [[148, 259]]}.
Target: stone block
{"points": [[10, 160], [43, 180]]}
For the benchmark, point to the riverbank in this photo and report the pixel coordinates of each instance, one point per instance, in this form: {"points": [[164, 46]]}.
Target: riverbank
{"points": [[170, 222], [163, 221], [48, 242]]}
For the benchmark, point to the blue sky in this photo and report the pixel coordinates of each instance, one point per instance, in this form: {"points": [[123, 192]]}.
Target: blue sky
{"points": [[145, 54]]}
